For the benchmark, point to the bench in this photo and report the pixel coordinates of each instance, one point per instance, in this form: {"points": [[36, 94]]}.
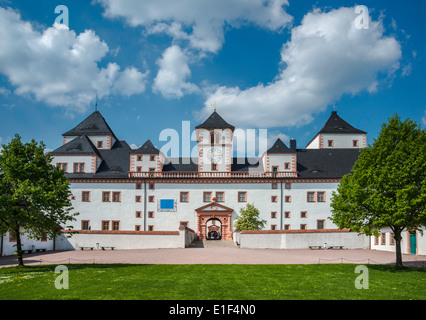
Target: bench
{"points": [[335, 247], [315, 247], [88, 248], [112, 248]]}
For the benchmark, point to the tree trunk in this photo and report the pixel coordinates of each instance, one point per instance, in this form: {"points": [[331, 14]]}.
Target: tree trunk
{"points": [[19, 248], [398, 238]]}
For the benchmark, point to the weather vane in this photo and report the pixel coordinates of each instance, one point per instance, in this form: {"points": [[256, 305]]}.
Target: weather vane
{"points": [[214, 106]]}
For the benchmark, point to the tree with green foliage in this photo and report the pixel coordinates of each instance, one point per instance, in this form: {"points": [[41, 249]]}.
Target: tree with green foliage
{"points": [[249, 219], [387, 186], [35, 196]]}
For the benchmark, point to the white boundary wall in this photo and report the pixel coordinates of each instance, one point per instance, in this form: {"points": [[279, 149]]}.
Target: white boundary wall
{"points": [[302, 240], [127, 240]]}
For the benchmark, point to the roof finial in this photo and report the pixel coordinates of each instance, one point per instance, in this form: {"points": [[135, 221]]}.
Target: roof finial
{"points": [[334, 108], [214, 106], [96, 105]]}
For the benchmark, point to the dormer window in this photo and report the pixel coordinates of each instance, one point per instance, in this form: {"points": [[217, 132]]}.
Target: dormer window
{"points": [[78, 167], [100, 144], [330, 143], [355, 143]]}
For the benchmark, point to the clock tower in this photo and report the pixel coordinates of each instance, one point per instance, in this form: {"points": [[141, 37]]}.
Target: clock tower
{"points": [[214, 138]]}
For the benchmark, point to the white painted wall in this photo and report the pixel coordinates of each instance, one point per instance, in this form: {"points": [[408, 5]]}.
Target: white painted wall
{"points": [[260, 194], [349, 240], [343, 141], [9, 247], [70, 160]]}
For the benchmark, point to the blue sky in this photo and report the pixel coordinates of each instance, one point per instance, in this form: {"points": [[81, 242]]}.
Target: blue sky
{"points": [[265, 64]]}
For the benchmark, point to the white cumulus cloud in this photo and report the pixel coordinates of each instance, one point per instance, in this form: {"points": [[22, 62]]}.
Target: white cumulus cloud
{"points": [[59, 67], [201, 23], [326, 57], [171, 77]]}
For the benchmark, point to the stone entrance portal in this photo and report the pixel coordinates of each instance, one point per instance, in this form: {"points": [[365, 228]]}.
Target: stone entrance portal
{"points": [[214, 229], [214, 220]]}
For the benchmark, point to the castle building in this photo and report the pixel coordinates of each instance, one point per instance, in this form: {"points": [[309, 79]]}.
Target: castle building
{"points": [[116, 188], [139, 198]]}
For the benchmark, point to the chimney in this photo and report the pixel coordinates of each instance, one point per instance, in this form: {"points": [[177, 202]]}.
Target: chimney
{"points": [[293, 144]]}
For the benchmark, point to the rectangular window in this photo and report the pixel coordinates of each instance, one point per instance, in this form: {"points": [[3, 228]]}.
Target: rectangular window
{"points": [[286, 227], [105, 225], [184, 196], [303, 227], [274, 199], [311, 197], [330, 143], [391, 239], [63, 166], [116, 197], [273, 215], [355, 143], [288, 186], [207, 196], [242, 196], [85, 196], [106, 196], [214, 167], [220, 196], [376, 241], [150, 228], [287, 165], [85, 225], [287, 214], [138, 199], [138, 186], [139, 169], [12, 236], [184, 224], [273, 227], [139, 158], [274, 171], [320, 224], [138, 228], [100, 144], [383, 239], [138, 214], [274, 185], [321, 196], [152, 157], [78, 167], [44, 237], [150, 214], [151, 186], [287, 198], [116, 225], [303, 214], [151, 199]]}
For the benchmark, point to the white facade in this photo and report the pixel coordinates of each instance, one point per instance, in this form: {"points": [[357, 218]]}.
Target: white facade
{"points": [[136, 199]]}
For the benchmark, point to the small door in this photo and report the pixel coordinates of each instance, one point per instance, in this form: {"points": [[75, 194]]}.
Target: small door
{"points": [[413, 243]]}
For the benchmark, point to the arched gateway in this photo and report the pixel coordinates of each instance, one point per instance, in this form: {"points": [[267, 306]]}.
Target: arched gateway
{"points": [[221, 216]]}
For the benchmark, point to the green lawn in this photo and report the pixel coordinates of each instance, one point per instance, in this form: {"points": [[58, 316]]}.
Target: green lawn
{"points": [[212, 282]]}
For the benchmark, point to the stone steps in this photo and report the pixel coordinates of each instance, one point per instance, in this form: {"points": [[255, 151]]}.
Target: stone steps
{"points": [[212, 244]]}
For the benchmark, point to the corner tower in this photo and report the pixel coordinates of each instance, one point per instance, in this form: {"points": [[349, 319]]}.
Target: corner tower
{"points": [[338, 134]]}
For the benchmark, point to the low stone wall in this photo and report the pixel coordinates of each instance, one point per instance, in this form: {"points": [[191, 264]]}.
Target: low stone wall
{"points": [[125, 239], [301, 239]]}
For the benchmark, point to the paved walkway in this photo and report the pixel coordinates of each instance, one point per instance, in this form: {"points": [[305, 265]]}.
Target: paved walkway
{"points": [[219, 254]]}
